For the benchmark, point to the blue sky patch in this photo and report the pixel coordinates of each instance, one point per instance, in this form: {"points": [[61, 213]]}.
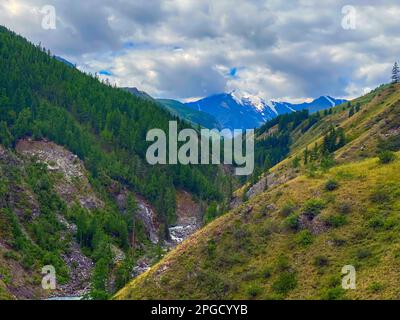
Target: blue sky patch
{"points": [[105, 73]]}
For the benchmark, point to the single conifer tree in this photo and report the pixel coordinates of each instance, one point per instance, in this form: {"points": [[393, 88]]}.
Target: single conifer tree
{"points": [[351, 112]]}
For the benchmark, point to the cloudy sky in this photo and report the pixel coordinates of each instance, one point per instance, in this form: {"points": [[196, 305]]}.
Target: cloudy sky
{"points": [[184, 49]]}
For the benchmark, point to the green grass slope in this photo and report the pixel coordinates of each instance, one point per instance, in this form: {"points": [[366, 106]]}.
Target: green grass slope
{"points": [[373, 127], [271, 248], [292, 240]]}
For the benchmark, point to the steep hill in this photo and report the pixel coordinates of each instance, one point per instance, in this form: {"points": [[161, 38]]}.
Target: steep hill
{"points": [[368, 124], [44, 189], [330, 203], [64, 119], [138, 93]]}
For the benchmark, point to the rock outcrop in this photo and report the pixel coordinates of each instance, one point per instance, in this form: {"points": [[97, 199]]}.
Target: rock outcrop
{"points": [[75, 186]]}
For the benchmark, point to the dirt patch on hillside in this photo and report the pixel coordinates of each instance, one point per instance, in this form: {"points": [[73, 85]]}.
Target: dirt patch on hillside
{"points": [[189, 217], [20, 283], [187, 210]]}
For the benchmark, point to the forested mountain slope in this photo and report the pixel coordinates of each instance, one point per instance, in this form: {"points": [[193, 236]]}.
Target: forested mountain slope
{"points": [[53, 106], [37, 90], [334, 201], [179, 110]]}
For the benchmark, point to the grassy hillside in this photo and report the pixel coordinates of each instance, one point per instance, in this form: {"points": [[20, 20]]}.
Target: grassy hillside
{"points": [[258, 251], [373, 127], [292, 240]]}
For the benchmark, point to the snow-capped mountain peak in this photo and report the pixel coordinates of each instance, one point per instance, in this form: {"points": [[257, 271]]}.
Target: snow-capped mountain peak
{"points": [[237, 96], [272, 106], [244, 98], [241, 110]]}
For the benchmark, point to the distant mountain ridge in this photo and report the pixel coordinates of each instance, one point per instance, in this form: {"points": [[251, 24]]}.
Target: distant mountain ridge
{"points": [[235, 110], [179, 109], [247, 111], [321, 103], [196, 117], [138, 93], [61, 59]]}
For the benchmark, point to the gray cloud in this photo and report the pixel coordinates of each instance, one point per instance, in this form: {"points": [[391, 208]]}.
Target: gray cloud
{"points": [[185, 48]]}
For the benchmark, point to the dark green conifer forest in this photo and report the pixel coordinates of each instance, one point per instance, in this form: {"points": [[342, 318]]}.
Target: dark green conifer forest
{"points": [[41, 97]]}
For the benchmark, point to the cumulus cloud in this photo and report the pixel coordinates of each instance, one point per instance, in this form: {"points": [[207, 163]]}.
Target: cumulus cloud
{"points": [[187, 48]]}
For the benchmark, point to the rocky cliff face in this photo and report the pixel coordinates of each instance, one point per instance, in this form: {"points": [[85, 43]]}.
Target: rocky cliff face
{"points": [[74, 185], [146, 212]]}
